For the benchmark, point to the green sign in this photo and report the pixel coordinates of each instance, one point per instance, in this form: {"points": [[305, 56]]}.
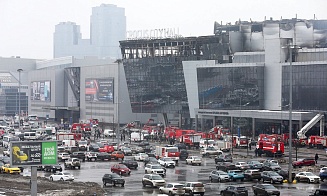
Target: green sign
{"points": [[33, 153]]}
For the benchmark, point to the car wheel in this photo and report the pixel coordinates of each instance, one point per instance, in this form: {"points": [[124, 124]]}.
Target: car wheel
{"points": [[255, 192], [199, 164], [233, 194], [61, 179], [51, 178], [152, 185], [122, 185], [79, 167], [201, 194], [114, 184], [297, 179], [219, 180], [207, 154], [120, 173], [170, 194], [308, 180], [143, 184], [222, 194], [211, 180], [191, 193]]}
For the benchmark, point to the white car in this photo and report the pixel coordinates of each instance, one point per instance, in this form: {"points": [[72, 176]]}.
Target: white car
{"points": [[166, 162], [140, 157], [109, 133], [173, 189], [307, 177], [323, 169], [63, 156], [209, 151], [194, 160], [62, 176], [242, 165], [154, 169]]}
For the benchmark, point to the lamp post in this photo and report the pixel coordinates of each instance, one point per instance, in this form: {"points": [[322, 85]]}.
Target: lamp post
{"points": [[19, 71]]}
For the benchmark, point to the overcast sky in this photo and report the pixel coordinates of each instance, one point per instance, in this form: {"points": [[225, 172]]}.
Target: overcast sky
{"points": [[27, 26]]}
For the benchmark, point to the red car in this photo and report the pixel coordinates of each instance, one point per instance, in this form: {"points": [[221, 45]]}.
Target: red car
{"points": [[120, 169], [303, 162], [106, 148]]}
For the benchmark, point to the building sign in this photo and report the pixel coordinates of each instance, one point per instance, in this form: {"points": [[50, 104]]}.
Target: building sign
{"points": [[41, 91], [34, 153], [99, 90], [153, 34]]}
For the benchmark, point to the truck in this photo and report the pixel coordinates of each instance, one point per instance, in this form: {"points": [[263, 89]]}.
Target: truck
{"points": [[271, 148], [191, 140], [240, 142], [81, 127], [168, 151], [69, 136], [69, 143], [137, 136]]}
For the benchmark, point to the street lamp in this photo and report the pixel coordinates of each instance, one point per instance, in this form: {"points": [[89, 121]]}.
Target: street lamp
{"points": [[19, 71]]}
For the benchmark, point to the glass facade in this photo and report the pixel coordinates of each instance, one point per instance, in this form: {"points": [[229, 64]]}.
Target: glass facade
{"points": [[309, 87], [231, 87], [9, 102]]}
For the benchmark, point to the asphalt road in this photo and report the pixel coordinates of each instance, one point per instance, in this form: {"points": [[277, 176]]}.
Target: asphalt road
{"points": [[93, 171]]}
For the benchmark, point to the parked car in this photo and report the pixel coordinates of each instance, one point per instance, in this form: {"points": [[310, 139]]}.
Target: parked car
{"points": [[131, 164], [72, 163], [183, 154], [151, 160], [62, 176], [242, 165], [270, 166], [6, 168], [172, 189], [210, 151], [251, 174], [194, 160], [225, 166], [303, 162], [120, 169], [180, 146], [271, 177], [323, 169], [155, 169], [52, 168], [166, 162], [91, 156], [265, 189], [93, 147], [103, 156], [117, 155], [113, 179], [234, 190], [144, 143], [307, 177], [235, 175], [223, 158], [127, 151], [323, 175], [153, 180], [219, 176], [319, 192], [255, 165], [193, 188], [63, 156], [284, 174], [140, 156], [80, 155]]}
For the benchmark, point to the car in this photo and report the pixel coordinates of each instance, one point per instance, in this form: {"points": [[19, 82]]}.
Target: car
{"points": [[62, 176], [72, 163], [113, 179], [303, 162], [80, 155], [117, 155], [270, 166], [255, 165], [52, 168], [319, 192], [82, 145], [140, 157], [219, 176], [180, 146], [183, 154], [323, 169], [103, 156], [251, 174], [194, 160], [210, 151], [131, 164], [172, 189], [235, 175], [285, 174], [265, 189], [6, 168], [323, 175], [225, 166], [167, 162], [91, 156], [307, 177], [120, 169], [242, 165], [153, 180], [109, 133], [234, 190], [224, 158], [63, 156], [271, 177], [143, 143], [93, 147], [155, 169], [127, 151], [192, 188], [152, 160]]}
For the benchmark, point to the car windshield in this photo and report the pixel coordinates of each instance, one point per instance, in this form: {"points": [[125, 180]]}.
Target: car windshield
{"points": [[156, 167], [114, 175], [157, 177], [66, 173], [273, 174], [309, 174], [179, 186], [273, 164], [82, 142], [268, 186], [256, 162], [172, 150], [167, 159], [122, 166]]}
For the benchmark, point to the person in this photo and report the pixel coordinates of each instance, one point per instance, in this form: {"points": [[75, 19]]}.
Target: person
{"points": [[250, 146], [256, 152], [316, 158]]}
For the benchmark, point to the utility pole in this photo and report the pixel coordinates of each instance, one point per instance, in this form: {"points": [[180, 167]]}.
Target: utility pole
{"points": [[19, 71]]}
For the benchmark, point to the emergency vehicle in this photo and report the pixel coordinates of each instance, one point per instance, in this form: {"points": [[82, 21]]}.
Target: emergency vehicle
{"points": [[271, 146], [191, 140], [168, 151], [69, 136]]}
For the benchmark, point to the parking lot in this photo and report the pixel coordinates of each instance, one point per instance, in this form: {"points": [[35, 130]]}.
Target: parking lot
{"points": [[93, 172]]}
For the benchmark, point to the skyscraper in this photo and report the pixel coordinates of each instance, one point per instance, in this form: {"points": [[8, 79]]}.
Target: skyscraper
{"points": [[108, 27]]}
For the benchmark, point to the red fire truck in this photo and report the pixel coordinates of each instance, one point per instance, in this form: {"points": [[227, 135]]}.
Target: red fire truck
{"points": [[191, 140], [168, 151], [317, 141], [271, 145], [80, 127]]}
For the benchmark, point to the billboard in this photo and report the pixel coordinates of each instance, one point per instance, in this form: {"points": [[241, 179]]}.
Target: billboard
{"points": [[99, 90], [41, 91], [33, 153]]}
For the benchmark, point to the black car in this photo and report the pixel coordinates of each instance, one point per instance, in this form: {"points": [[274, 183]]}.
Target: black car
{"points": [[151, 160], [265, 189], [93, 147], [79, 155], [113, 179], [234, 190], [180, 146], [284, 174], [131, 164], [183, 154], [225, 166], [223, 158], [52, 168], [103, 156], [144, 143]]}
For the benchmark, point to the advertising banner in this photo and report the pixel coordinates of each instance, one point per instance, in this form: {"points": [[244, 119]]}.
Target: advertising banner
{"points": [[41, 91], [34, 153], [99, 90]]}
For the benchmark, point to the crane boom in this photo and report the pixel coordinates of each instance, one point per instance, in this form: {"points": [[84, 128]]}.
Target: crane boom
{"points": [[309, 125]]}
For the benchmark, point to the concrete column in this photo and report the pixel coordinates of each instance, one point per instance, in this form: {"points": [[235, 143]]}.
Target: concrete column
{"points": [[322, 126], [202, 123], [196, 122], [33, 181], [253, 128]]}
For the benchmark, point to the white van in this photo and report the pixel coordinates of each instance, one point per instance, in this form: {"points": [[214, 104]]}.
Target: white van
{"points": [[7, 139], [109, 133], [29, 136], [32, 118], [136, 137]]}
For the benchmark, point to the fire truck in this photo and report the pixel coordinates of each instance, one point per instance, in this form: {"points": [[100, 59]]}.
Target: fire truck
{"points": [[80, 127], [314, 140], [168, 151], [69, 136], [270, 145], [191, 140], [317, 141]]}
